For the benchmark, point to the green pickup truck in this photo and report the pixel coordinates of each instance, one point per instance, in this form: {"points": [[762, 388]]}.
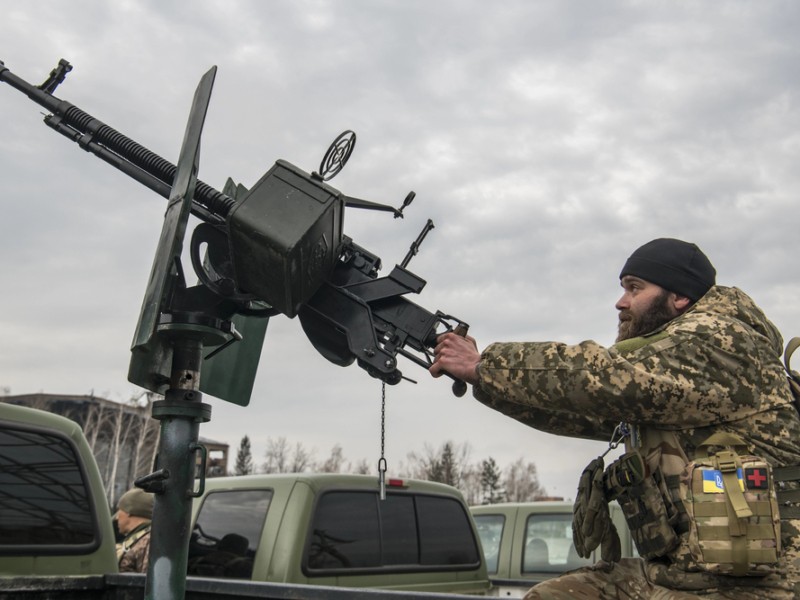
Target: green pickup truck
{"points": [[525, 543], [334, 530], [299, 536], [54, 516]]}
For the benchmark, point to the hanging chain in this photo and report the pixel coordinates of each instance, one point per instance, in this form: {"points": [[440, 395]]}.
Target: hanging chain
{"points": [[383, 418], [382, 459]]}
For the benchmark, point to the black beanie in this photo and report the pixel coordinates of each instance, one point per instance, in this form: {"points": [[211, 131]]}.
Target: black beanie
{"points": [[674, 265]]}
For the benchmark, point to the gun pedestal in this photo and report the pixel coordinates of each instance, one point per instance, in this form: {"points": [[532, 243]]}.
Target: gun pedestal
{"points": [[173, 482]]}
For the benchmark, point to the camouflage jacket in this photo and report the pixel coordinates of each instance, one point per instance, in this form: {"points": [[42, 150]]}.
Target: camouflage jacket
{"points": [[134, 551], [716, 367]]}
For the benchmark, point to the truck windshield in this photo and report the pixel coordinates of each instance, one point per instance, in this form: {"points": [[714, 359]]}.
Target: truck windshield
{"points": [[548, 544]]}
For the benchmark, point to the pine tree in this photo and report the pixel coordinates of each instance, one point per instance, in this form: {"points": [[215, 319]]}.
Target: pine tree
{"points": [[244, 458], [450, 472], [491, 489]]}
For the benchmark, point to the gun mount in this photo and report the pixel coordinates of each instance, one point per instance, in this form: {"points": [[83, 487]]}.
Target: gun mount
{"points": [[276, 248]]}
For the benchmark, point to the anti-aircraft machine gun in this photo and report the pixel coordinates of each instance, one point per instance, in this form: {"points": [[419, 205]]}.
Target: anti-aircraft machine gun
{"points": [[276, 248]]}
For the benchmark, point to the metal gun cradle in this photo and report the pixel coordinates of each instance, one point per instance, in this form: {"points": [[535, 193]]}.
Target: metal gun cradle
{"points": [[277, 248]]}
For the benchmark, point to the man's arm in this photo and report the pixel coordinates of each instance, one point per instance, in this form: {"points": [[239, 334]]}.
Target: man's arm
{"points": [[585, 426], [459, 356], [684, 380]]}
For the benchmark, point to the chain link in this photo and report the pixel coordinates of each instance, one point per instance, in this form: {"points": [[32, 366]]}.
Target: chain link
{"points": [[382, 460], [383, 419]]}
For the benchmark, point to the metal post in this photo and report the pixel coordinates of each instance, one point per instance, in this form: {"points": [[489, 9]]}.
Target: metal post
{"points": [[180, 414]]}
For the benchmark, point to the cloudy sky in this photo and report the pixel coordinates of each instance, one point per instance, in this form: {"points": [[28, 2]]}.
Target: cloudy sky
{"points": [[546, 140]]}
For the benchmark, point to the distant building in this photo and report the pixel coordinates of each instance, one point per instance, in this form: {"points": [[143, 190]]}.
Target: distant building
{"points": [[123, 437]]}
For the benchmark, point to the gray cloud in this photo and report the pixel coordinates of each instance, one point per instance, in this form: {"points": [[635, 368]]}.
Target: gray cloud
{"points": [[545, 139]]}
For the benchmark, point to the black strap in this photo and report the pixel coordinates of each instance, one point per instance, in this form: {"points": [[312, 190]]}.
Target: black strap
{"points": [[786, 473]]}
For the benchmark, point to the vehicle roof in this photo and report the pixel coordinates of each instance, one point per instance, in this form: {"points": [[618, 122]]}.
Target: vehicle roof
{"points": [[33, 416], [544, 506], [321, 481]]}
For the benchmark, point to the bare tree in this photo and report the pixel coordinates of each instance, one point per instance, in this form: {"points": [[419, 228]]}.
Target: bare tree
{"points": [[446, 465], [93, 422], [334, 463], [277, 456], [470, 485], [119, 440], [362, 467], [302, 459], [521, 482], [145, 435]]}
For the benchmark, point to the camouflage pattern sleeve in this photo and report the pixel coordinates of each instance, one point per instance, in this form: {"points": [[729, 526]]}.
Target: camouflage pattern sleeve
{"points": [[718, 362], [551, 420]]}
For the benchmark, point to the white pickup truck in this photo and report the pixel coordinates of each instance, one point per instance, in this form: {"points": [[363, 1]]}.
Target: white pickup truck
{"points": [[525, 543]]}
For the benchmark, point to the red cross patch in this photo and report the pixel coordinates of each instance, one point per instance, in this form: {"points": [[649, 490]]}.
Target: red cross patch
{"points": [[756, 478]]}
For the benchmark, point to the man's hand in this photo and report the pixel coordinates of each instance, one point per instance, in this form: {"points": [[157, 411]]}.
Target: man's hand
{"points": [[457, 355]]}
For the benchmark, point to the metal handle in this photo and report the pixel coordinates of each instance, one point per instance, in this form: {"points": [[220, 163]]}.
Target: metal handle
{"points": [[459, 386], [193, 448]]}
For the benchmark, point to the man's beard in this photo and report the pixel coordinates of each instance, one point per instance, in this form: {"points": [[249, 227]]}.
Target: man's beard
{"points": [[658, 313]]}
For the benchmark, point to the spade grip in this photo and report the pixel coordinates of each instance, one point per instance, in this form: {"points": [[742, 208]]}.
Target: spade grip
{"points": [[459, 386]]}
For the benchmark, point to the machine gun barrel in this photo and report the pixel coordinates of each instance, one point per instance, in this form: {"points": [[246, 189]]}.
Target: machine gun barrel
{"points": [[113, 147]]}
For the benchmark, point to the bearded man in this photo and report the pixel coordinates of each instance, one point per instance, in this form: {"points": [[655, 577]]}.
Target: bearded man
{"points": [[696, 367]]}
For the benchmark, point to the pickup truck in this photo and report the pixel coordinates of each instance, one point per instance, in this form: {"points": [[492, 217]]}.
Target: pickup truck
{"points": [[525, 543], [54, 516], [332, 531]]}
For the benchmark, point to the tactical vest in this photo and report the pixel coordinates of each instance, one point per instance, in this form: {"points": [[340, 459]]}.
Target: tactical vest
{"points": [[720, 511], [130, 541]]}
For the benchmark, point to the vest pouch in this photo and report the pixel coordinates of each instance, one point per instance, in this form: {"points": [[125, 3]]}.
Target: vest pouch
{"points": [[643, 505], [734, 523]]}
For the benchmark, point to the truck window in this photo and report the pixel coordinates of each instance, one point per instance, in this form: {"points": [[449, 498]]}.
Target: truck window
{"points": [[490, 530], [45, 500], [227, 532], [356, 531], [445, 533], [548, 544]]}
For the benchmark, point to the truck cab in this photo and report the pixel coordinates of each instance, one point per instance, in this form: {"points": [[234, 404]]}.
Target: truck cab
{"points": [[334, 530], [525, 543], [54, 516]]}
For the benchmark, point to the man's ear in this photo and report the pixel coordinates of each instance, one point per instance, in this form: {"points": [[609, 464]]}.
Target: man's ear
{"points": [[681, 303]]}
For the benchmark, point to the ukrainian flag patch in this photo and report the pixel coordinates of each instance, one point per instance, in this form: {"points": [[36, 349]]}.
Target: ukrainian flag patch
{"points": [[712, 481]]}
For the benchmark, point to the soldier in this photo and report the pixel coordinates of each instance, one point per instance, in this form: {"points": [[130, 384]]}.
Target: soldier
{"points": [[692, 359], [134, 515]]}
